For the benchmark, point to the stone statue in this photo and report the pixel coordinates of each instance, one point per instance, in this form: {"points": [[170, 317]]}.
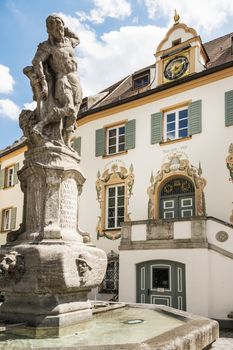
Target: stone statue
{"points": [[55, 86], [48, 266]]}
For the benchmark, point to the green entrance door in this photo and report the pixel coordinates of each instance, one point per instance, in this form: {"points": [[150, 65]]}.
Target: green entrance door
{"points": [[177, 199], [161, 282]]}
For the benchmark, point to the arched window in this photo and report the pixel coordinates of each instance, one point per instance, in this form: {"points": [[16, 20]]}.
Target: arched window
{"points": [[177, 199]]}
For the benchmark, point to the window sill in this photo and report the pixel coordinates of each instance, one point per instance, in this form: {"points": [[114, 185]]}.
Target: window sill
{"points": [[115, 154], [7, 187], [163, 143]]}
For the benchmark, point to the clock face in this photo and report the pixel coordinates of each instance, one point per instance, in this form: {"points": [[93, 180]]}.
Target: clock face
{"points": [[176, 67]]}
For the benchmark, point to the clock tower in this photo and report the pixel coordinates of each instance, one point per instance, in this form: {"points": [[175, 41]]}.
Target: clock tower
{"points": [[179, 54]]}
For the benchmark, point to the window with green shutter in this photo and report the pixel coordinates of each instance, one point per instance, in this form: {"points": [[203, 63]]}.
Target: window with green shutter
{"points": [[77, 145], [116, 139], [2, 177], [229, 108], [156, 127], [9, 219], [176, 124]]}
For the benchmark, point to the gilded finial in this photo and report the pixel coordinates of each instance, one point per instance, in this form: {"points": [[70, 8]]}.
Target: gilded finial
{"points": [[176, 17]]}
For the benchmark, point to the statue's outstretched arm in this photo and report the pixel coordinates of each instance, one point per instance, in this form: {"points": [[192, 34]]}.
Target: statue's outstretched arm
{"points": [[73, 37]]}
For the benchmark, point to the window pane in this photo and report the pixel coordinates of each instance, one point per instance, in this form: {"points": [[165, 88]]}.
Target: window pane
{"points": [[120, 211], [111, 212], [183, 133], [170, 136], [183, 114], [112, 141], [183, 123], [120, 201], [160, 277], [111, 202], [121, 147], [111, 192], [171, 127], [122, 139], [119, 221], [121, 130], [121, 190], [112, 132], [112, 149], [111, 223], [171, 117]]}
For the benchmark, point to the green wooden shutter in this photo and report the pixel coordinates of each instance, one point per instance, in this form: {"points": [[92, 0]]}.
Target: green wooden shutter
{"points": [[156, 127], [229, 108], [195, 117], [13, 218], [2, 177], [16, 168], [99, 142], [130, 130], [77, 145]]}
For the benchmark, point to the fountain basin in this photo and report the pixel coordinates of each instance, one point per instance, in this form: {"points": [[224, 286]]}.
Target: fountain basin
{"points": [[124, 326]]}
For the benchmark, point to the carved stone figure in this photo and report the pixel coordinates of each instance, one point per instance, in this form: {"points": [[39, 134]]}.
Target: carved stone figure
{"points": [[12, 265], [55, 86], [49, 266]]}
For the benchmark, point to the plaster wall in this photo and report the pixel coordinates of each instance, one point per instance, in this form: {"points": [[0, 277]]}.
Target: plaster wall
{"points": [[220, 285], [176, 34], [197, 269]]}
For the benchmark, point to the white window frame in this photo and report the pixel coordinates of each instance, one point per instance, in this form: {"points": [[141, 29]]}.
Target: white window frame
{"points": [[116, 206], [6, 221], [117, 144], [10, 176], [177, 129]]}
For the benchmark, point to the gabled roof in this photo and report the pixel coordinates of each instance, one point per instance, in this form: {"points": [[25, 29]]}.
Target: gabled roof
{"points": [[219, 51]]}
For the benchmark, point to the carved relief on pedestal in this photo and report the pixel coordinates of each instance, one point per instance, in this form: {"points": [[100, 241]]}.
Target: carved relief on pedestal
{"points": [[12, 266], [115, 175], [176, 165]]}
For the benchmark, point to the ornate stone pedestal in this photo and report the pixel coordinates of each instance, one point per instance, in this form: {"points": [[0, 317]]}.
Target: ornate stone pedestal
{"points": [[47, 270]]}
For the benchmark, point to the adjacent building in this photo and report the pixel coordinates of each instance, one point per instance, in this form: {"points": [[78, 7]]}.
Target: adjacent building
{"points": [[157, 151]]}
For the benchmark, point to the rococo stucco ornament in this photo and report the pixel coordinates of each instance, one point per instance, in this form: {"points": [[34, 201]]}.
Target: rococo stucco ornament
{"points": [[117, 174], [221, 236], [229, 161], [176, 165], [56, 88]]}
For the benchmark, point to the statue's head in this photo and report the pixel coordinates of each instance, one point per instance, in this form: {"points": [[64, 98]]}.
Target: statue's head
{"points": [[55, 26]]}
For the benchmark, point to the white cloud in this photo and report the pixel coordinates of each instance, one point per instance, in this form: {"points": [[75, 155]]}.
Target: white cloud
{"points": [[116, 54], [6, 80], [9, 109], [107, 8], [201, 14], [30, 105]]}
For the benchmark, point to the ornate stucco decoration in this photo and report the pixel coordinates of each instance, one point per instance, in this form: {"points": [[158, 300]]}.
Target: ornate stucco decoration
{"points": [[176, 165], [221, 236], [229, 161], [115, 175]]}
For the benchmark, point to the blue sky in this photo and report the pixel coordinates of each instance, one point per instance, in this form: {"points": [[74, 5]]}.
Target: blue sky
{"points": [[117, 38]]}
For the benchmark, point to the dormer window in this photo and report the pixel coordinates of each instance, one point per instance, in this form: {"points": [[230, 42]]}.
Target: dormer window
{"points": [[141, 80], [83, 106], [176, 42]]}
